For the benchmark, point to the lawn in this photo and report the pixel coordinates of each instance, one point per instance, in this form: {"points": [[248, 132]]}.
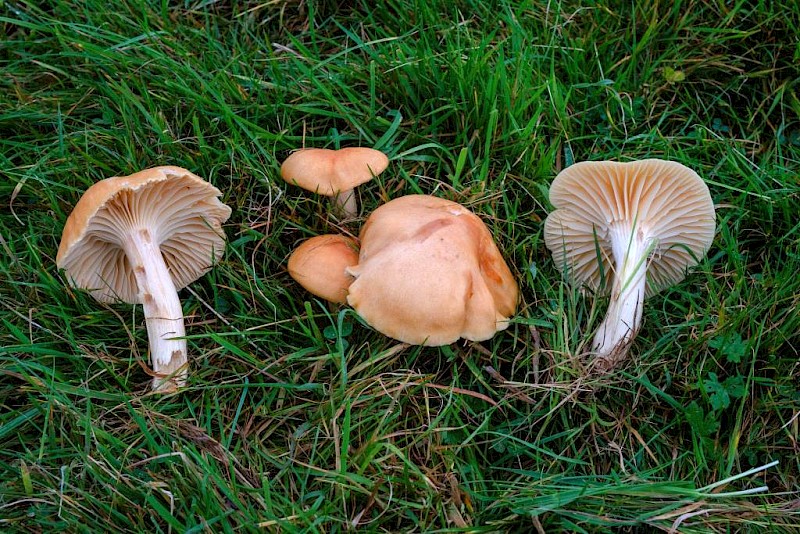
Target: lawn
{"points": [[300, 417]]}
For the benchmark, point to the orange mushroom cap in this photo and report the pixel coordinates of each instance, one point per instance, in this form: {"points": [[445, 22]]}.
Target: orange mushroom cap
{"points": [[330, 172], [319, 265], [430, 273]]}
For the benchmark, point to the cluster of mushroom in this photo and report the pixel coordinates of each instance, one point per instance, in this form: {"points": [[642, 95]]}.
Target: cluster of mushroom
{"points": [[428, 272], [424, 270]]}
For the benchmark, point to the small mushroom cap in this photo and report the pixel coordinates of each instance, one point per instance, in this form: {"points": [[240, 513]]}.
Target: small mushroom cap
{"points": [[662, 200], [181, 211], [319, 264], [430, 273], [329, 172]]}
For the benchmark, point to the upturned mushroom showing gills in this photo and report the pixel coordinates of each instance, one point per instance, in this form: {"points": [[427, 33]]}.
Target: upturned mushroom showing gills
{"points": [[334, 173], [637, 225], [430, 273], [319, 265], [141, 238]]}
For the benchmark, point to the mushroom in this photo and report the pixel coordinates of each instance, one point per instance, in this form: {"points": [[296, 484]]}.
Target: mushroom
{"points": [[430, 273], [334, 173], [319, 264], [640, 224], [139, 239]]}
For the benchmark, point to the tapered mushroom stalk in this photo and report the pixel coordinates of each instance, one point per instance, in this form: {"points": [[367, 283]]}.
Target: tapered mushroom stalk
{"points": [[162, 310], [139, 239], [634, 227], [334, 173], [630, 250]]}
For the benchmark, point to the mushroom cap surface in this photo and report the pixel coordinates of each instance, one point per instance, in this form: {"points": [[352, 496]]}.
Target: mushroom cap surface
{"points": [[664, 201], [319, 264], [181, 211], [329, 172], [430, 273]]}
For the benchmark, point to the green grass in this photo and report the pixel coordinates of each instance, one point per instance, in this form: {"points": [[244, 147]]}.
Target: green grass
{"points": [[301, 418]]}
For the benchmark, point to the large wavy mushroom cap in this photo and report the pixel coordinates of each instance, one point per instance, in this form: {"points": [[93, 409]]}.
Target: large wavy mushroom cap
{"points": [[430, 273]]}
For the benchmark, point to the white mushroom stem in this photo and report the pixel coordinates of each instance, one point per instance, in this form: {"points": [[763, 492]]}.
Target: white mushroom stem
{"points": [[162, 311], [345, 201], [631, 249]]}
